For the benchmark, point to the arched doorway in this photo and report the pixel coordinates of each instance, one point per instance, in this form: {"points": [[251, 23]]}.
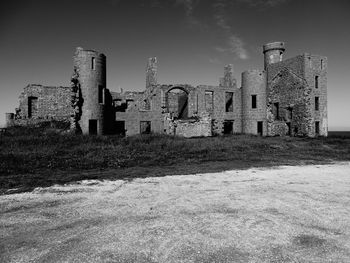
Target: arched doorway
{"points": [[177, 102]]}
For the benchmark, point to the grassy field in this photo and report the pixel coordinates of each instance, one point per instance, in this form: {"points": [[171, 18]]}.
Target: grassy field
{"points": [[40, 157]]}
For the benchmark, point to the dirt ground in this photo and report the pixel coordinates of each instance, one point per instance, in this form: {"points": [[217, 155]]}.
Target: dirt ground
{"points": [[284, 214]]}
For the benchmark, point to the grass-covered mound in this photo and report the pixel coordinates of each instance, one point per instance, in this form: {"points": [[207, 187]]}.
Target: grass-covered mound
{"points": [[44, 155]]}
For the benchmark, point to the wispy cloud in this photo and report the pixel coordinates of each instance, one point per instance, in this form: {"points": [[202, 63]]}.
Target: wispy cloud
{"points": [[189, 6], [233, 43], [215, 61], [220, 12]]}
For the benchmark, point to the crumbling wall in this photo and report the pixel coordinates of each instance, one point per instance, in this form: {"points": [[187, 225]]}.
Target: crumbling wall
{"points": [[52, 103], [76, 102], [218, 112], [194, 127], [133, 112], [151, 72], [293, 95], [228, 81], [295, 64]]}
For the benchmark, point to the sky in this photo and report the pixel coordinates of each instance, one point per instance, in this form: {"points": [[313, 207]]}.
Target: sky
{"points": [[192, 39]]}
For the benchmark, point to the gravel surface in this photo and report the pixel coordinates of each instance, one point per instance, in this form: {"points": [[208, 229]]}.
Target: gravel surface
{"points": [[282, 214]]}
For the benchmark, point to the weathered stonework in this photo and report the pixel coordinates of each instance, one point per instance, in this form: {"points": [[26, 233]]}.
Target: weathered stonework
{"points": [[39, 103], [76, 102], [291, 84], [287, 97]]}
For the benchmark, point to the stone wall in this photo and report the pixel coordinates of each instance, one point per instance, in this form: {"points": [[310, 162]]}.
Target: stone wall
{"points": [[287, 98], [134, 113], [201, 127], [253, 84], [291, 84], [316, 66], [51, 103]]}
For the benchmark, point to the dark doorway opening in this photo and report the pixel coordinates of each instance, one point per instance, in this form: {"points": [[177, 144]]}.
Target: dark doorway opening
{"points": [[260, 128], [119, 128], [93, 127], [32, 107], [145, 127], [289, 132], [276, 110], [228, 127], [295, 131], [317, 128]]}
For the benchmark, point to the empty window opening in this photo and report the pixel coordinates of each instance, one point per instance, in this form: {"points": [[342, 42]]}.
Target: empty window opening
{"points": [[317, 127], [209, 101], [260, 128], [276, 110], [32, 107], [321, 63], [253, 101], [93, 61], [317, 103], [145, 127], [146, 104], [177, 103], [228, 127], [229, 101], [316, 82], [93, 127], [100, 94], [119, 105]]}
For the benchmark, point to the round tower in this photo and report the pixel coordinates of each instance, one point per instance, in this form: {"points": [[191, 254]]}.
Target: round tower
{"points": [[91, 68], [273, 52], [254, 102]]}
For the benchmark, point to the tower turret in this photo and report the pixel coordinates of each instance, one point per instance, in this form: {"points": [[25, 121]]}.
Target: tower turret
{"points": [[273, 52], [91, 69]]}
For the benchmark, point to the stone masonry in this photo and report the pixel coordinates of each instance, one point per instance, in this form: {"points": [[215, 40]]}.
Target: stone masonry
{"points": [[286, 98]]}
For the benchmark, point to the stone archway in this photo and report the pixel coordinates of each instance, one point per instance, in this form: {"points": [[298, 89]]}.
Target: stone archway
{"points": [[176, 99]]}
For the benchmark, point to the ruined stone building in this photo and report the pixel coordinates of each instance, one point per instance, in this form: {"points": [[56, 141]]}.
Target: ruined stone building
{"points": [[287, 97]]}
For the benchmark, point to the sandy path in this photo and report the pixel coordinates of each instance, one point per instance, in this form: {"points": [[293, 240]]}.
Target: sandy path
{"points": [[286, 214]]}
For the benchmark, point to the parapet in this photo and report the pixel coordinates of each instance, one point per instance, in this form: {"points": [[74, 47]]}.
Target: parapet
{"points": [[80, 52], [273, 46]]}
